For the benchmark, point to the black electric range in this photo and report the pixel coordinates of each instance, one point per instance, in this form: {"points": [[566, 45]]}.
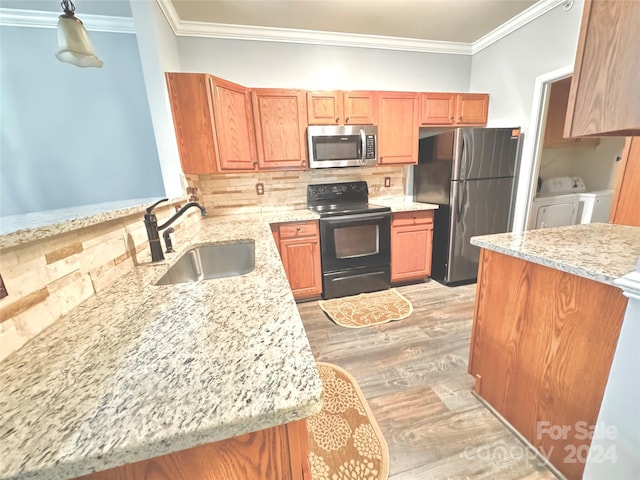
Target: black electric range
{"points": [[355, 238]]}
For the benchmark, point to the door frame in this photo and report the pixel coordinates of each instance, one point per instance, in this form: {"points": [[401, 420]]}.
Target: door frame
{"points": [[532, 148]]}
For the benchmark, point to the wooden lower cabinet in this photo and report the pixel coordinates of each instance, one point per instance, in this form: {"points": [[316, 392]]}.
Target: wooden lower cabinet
{"points": [[300, 252], [411, 245], [542, 345], [277, 453]]}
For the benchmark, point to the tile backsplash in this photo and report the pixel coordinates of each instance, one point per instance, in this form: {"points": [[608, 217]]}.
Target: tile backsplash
{"points": [[236, 193], [47, 278]]}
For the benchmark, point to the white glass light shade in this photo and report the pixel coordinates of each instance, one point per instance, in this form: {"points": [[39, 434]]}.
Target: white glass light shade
{"points": [[75, 45]]}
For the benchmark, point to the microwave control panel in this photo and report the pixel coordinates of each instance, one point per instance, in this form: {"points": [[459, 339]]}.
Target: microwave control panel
{"points": [[370, 147]]}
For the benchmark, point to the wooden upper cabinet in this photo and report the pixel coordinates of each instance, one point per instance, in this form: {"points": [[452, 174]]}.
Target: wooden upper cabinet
{"points": [[437, 108], [360, 108], [442, 109], [235, 137], [349, 108], [398, 123], [324, 108], [556, 115], [213, 123], [605, 92], [191, 105], [472, 109], [280, 118]]}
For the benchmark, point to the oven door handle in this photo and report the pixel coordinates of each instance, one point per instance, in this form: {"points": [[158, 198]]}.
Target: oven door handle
{"points": [[363, 145], [356, 218]]}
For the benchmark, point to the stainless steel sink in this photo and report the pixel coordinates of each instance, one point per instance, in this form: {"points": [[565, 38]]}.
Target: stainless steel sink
{"points": [[212, 261]]}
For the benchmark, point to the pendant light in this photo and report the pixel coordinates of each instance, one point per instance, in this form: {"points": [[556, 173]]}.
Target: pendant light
{"points": [[73, 40]]}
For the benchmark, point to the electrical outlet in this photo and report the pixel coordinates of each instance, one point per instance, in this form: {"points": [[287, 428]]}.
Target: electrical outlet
{"points": [[260, 188], [387, 181], [3, 289]]}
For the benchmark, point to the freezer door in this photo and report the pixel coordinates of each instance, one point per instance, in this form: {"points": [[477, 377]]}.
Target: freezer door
{"points": [[478, 207], [485, 153]]}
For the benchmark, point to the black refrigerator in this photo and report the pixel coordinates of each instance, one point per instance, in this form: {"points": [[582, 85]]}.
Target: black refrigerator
{"points": [[471, 174]]}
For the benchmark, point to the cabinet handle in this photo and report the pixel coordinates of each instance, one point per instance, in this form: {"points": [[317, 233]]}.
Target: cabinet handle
{"points": [[337, 118], [414, 217], [452, 118], [315, 242], [255, 164], [459, 119], [346, 120], [304, 162], [297, 229]]}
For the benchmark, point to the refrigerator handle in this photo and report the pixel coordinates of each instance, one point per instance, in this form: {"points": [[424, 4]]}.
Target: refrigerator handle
{"points": [[460, 198], [463, 166]]}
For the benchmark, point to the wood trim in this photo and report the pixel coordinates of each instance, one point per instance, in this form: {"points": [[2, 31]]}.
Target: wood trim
{"points": [[625, 208]]}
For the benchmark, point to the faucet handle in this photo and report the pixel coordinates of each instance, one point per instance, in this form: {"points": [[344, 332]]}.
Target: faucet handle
{"points": [[155, 204]]}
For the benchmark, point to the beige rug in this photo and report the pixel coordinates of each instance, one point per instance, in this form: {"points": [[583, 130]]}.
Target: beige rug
{"points": [[345, 442], [367, 308]]}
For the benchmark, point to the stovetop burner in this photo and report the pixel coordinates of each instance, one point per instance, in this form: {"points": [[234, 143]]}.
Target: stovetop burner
{"points": [[348, 209], [347, 198]]}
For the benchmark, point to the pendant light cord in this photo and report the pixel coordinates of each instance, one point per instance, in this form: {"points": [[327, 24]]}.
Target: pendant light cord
{"points": [[68, 7]]}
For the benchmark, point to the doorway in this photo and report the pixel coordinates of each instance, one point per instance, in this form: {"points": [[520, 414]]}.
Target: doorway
{"points": [[582, 169]]}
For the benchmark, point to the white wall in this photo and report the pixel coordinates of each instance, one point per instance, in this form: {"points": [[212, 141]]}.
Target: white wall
{"points": [[72, 136], [159, 54], [288, 65], [597, 166], [508, 70]]}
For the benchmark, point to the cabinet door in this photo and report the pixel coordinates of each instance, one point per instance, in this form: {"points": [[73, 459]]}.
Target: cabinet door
{"points": [[472, 109], [605, 98], [191, 107], [556, 114], [360, 108], [280, 122], [437, 108], [234, 137], [397, 128], [411, 245], [324, 108], [301, 260]]}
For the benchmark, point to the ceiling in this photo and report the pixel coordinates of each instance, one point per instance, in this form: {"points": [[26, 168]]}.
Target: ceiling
{"points": [[436, 20]]}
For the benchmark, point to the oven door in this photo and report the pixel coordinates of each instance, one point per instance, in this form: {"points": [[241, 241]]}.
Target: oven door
{"points": [[355, 241]]}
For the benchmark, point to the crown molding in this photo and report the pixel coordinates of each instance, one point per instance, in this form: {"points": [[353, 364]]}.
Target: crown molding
{"points": [[288, 35], [14, 17], [534, 11]]}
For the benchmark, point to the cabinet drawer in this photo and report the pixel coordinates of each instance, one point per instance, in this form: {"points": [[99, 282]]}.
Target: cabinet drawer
{"points": [[292, 230], [421, 217]]}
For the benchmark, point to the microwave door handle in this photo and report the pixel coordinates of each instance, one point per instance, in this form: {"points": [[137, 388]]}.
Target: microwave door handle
{"points": [[363, 145]]}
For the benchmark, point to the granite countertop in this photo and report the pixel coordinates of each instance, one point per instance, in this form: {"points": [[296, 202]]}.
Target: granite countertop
{"points": [[141, 370], [598, 251], [402, 204], [18, 229]]}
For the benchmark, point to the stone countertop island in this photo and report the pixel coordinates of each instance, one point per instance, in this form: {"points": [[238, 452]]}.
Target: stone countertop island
{"points": [[141, 370], [545, 328], [598, 251]]}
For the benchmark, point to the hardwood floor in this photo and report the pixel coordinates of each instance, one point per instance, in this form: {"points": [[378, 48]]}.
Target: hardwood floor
{"points": [[414, 375]]}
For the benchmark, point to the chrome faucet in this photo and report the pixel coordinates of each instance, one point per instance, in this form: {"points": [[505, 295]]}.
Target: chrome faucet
{"points": [[151, 223]]}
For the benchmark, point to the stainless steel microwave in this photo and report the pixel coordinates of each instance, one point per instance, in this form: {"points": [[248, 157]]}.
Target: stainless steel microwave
{"points": [[342, 145]]}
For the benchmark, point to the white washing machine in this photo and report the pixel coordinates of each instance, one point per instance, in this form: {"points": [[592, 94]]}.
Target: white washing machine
{"points": [[558, 203], [565, 201], [595, 206]]}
